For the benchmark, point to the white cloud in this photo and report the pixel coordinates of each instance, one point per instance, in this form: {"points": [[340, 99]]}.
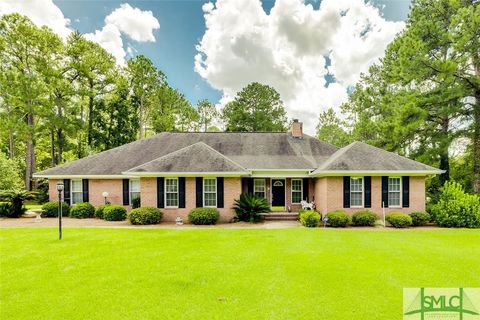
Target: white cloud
{"points": [[41, 12], [287, 48], [110, 39], [135, 23]]}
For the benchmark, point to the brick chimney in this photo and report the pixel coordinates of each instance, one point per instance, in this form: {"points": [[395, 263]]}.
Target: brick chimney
{"points": [[297, 129]]}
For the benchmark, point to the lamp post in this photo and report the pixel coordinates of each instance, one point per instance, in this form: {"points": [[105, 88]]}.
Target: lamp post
{"points": [[60, 187], [105, 195]]}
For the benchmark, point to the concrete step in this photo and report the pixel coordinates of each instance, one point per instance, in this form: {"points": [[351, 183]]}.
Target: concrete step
{"points": [[282, 216]]}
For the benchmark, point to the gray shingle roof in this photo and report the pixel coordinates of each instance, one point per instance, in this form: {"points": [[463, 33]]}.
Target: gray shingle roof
{"points": [[359, 156], [249, 150], [197, 157]]}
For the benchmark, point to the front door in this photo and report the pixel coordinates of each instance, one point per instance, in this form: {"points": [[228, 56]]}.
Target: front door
{"points": [[278, 192]]}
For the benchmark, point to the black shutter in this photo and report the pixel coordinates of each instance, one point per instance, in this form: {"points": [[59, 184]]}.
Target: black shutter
{"points": [[250, 185], [85, 190], [405, 192], [199, 192], [384, 192], [305, 188], [126, 192], [161, 192], [66, 191], [220, 192], [368, 192], [181, 192], [346, 192]]}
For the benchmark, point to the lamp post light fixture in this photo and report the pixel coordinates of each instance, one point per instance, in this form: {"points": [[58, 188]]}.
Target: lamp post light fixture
{"points": [[60, 188], [105, 195]]}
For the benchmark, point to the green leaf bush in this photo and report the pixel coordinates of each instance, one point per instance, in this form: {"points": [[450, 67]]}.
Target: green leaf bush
{"points": [[99, 211], [309, 218], [419, 218], [338, 219], [455, 208], [136, 203], [145, 215], [364, 218], [201, 216], [250, 207], [50, 209], [6, 209], [82, 210], [399, 220], [114, 213]]}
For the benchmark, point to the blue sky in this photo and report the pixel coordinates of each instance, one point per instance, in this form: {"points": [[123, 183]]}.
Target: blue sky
{"points": [[311, 52], [182, 25]]}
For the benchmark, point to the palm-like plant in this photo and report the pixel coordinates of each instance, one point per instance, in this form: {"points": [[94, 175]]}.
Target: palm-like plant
{"points": [[16, 199], [250, 207]]}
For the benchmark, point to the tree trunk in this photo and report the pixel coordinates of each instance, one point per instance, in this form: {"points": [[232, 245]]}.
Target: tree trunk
{"points": [[140, 118], [444, 158], [90, 115], [476, 143], [11, 144], [52, 147], [60, 145], [29, 154]]}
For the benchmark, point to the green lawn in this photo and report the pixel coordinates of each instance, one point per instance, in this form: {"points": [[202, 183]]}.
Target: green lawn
{"points": [[227, 273]]}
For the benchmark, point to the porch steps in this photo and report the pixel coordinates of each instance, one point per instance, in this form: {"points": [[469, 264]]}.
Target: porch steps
{"points": [[281, 216]]}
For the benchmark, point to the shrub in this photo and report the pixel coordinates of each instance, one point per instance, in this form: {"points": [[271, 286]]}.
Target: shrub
{"points": [[145, 215], [250, 207], [50, 209], [399, 220], [99, 211], [309, 218], [364, 218], [16, 198], [5, 209], [338, 218], [82, 210], [136, 203], [114, 213], [455, 208], [419, 218], [203, 216]]}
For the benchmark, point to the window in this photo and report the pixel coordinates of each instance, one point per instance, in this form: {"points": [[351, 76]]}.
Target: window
{"points": [[394, 188], [77, 191], [356, 192], [171, 193], [134, 189], [297, 190], [210, 192], [259, 187]]}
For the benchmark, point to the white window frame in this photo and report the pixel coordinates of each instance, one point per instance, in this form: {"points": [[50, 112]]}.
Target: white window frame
{"points": [[264, 191], [399, 193], [362, 192], [301, 190], [73, 191], [165, 188], [131, 191], [216, 190]]}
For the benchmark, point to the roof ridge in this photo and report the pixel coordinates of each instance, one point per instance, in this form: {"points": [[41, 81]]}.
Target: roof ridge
{"points": [[335, 156], [200, 143]]}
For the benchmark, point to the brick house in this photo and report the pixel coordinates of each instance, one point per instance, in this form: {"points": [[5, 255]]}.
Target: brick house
{"points": [[181, 171]]}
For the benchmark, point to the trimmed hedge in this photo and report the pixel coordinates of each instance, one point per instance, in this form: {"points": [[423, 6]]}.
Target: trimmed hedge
{"points": [[419, 218], [82, 210], [114, 213], [338, 219], [365, 218], [50, 209], [399, 220], [201, 216], [145, 215], [99, 211], [309, 218]]}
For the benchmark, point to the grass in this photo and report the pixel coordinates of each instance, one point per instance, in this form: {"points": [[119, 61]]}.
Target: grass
{"points": [[227, 273]]}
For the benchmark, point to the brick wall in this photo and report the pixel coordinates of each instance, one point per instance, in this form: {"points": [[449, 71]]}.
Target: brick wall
{"points": [[232, 191], [329, 195]]}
